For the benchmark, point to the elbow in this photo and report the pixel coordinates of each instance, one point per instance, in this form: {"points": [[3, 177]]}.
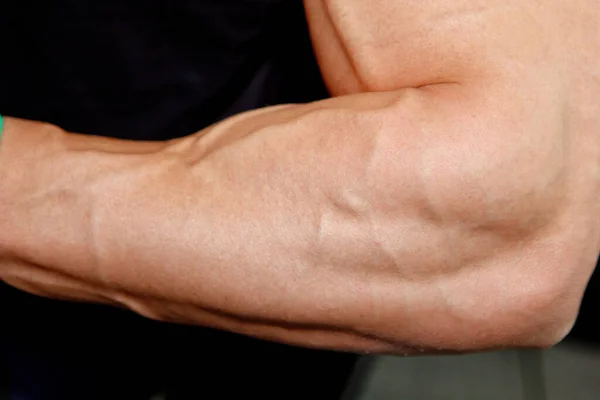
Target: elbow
{"points": [[543, 278], [506, 283], [538, 319], [544, 320], [549, 269], [543, 220], [546, 334], [539, 303], [550, 312], [512, 235]]}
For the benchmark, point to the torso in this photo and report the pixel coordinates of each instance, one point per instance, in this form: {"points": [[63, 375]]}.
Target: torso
{"points": [[153, 69]]}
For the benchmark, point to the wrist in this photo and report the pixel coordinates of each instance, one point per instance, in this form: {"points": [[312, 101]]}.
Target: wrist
{"points": [[50, 183], [26, 152]]}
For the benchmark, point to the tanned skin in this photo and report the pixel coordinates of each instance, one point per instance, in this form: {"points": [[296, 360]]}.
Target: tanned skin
{"points": [[445, 199]]}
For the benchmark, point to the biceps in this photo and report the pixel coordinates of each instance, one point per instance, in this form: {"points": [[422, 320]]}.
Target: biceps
{"points": [[389, 44]]}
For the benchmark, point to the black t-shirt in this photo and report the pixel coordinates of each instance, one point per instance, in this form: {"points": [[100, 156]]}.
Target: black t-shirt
{"points": [[154, 70]]}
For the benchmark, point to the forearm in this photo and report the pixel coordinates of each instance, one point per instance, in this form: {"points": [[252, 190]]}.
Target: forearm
{"points": [[288, 224], [66, 230]]}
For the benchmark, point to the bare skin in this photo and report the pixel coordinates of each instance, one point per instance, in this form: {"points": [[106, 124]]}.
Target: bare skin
{"points": [[445, 199]]}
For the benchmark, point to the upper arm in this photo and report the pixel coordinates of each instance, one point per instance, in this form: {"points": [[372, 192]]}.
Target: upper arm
{"points": [[390, 44]]}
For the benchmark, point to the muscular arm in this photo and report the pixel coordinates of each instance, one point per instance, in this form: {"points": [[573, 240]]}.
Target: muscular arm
{"points": [[452, 214]]}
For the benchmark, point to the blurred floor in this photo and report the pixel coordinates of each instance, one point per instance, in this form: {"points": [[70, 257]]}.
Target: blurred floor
{"points": [[570, 372]]}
